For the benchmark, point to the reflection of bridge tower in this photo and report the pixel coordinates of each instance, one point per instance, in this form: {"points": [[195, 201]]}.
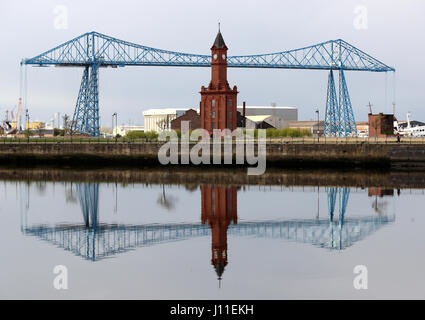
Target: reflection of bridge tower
{"points": [[88, 193], [344, 193], [24, 203], [95, 241], [219, 208]]}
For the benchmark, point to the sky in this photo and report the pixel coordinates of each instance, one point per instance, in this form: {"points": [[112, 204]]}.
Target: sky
{"points": [[391, 31]]}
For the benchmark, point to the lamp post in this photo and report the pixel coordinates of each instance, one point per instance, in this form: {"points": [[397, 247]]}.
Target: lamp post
{"points": [[318, 127], [112, 124], [116, 125], [27, 116]]}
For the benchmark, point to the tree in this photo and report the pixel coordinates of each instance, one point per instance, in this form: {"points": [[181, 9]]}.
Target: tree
{"points": [[66, 123], [164, 123]]}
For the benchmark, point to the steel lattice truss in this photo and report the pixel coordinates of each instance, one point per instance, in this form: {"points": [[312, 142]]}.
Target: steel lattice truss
{"points": [[102, 241], [94, 50], [95, 241], [339, 116], [94, 47]]}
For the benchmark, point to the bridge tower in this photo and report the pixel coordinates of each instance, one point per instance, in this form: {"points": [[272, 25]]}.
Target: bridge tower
{"points": [[218, 101], [219, 209], [86, 113], [88, 194], [339, 116], [344, 194]]}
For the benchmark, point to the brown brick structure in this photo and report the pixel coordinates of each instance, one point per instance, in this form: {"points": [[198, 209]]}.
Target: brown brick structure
{"points": [[380, 192], [190, 115], [219, 209], [381, 125], [218, 101]]}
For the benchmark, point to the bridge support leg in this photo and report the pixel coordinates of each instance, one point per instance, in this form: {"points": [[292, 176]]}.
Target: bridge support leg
{"points": [[86, 113], [88, 194], [344, 193], [347, 122], [332, 125], [331, 208], [331, 202]]}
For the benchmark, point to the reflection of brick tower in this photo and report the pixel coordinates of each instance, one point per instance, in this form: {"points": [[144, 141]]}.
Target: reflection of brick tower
{"points": [[219, 208], [218, 101]]}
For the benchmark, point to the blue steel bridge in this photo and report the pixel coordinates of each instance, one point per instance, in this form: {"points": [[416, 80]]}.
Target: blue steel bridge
{"points": [[95, 241], [92, 51]]}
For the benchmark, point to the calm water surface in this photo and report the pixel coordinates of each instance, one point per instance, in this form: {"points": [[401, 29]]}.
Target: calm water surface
{"points": [[209, 241]]}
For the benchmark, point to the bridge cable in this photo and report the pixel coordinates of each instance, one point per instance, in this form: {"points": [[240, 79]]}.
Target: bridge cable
{"points": [[18, 116], [26, 89], [394, 90], [386, 92]]}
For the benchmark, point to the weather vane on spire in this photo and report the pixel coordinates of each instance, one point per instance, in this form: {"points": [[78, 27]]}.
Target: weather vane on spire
{"points": [[219, 26]]}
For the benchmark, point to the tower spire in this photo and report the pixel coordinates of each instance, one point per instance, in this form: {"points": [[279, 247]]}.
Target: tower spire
{"points": [[219, 41]]}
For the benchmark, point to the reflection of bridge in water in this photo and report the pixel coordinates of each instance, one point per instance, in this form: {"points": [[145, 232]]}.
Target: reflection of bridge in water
{"points": [[94, 241]]}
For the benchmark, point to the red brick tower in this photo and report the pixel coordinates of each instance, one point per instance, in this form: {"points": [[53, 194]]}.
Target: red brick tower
{"points": [[219, 208], [218, 101]]}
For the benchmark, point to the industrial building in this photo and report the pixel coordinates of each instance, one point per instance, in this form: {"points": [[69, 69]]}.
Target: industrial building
{"points": [[286, 113], [191, 116], [257, 117], [263, 122], [194, 119], [312, 126], [381, 125], [160, 119], [263, 117]]}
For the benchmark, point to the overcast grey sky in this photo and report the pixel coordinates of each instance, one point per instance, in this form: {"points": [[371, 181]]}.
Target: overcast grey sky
{"points": [[395, 35]]}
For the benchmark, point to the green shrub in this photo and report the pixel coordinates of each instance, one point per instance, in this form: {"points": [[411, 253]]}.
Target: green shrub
{"points": [[58, 132], [286, 132], [135, 134], [151, 135]]}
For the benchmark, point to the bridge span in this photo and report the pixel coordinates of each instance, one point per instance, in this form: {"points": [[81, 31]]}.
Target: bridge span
{"points": [[106, 240], [93, 50], [93, 240]]}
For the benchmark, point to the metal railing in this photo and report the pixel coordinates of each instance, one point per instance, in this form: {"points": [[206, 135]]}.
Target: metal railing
{"points": [[268, 140]]}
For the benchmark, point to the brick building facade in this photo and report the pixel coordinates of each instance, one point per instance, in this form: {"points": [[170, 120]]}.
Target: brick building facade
{"points": [[219, 209], [381, 125], [190, 115], [218, 102]]}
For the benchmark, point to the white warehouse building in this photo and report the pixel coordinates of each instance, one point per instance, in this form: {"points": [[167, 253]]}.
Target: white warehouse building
{"points": [[160, 119]]}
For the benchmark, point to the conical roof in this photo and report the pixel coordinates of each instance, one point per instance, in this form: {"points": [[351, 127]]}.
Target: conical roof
{"points": [[219, 268], [219, 41]]}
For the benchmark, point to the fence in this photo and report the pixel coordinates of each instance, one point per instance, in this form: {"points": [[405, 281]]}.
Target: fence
{"points": [[269, 140]]}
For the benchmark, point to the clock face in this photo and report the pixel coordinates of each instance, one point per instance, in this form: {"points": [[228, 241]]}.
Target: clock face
{"points": [[223, 56], [215, 56]]}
